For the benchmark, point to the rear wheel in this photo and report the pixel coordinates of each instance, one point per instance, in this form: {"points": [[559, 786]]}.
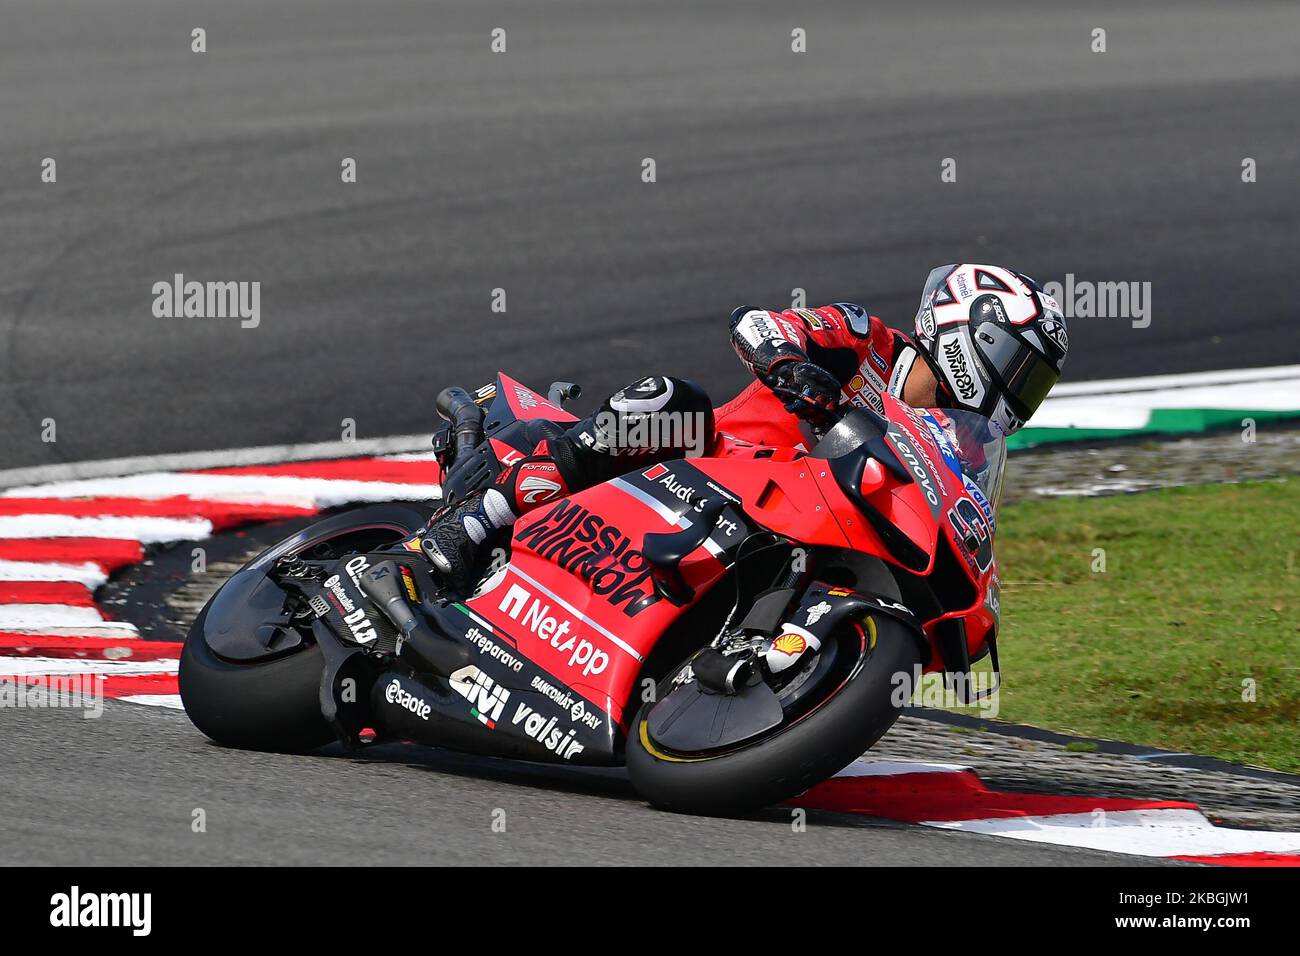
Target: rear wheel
{"points": [[841, 703], [273, 703]]}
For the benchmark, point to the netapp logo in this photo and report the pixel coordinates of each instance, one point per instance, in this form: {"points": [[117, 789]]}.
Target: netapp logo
{"points": [[538, 619], [76, 909]]}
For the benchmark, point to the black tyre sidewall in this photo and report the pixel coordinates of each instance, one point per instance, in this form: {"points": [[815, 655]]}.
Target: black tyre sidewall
{"points": [[267, 705], [271, 705], [783, 766]]}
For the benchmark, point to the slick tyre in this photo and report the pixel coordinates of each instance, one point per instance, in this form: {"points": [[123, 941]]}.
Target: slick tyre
{"points": [[858, 710], [273, 704]]}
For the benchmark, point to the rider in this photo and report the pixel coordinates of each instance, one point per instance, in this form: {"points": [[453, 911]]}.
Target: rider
{"points": [[987, 340]]}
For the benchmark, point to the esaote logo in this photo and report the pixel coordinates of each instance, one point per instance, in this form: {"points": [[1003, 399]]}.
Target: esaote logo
{"points": [[394, 693]]}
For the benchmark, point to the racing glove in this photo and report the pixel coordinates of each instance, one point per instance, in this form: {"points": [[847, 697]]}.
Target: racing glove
{"points": [[807, 389]]}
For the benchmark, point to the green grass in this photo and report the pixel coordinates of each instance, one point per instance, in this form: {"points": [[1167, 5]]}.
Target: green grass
{"points": [[1198, 597]]}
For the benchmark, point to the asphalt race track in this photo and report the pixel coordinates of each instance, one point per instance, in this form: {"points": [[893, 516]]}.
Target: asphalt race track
{"points": [[522, 171], [122, 790]]}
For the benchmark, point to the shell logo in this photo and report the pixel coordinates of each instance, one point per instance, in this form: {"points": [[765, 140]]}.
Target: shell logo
{"points": [[790, 644]]}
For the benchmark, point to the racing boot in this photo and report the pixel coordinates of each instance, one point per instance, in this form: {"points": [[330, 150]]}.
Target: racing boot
{"points": [[631, 429], [454, 539]]}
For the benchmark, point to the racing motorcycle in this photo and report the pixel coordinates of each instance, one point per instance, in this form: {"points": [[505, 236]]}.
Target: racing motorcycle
{"points": [[733, 628]]}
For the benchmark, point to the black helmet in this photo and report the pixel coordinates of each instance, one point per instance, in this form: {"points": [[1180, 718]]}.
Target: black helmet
{"points": [[994, 339]]}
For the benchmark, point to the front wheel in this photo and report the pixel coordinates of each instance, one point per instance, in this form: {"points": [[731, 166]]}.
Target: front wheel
{"points": [[840, 710]]}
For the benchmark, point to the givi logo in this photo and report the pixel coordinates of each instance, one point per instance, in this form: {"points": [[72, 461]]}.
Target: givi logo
{"points": [[523, 606], [487, 698]]}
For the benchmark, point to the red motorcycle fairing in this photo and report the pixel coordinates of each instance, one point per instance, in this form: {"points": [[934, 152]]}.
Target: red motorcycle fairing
{"points": [[965, 519], [577, 601], [578, 596], [525, 404]]}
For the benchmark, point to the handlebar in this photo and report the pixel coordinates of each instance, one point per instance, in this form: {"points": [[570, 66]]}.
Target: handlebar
{"points": [[457, 406]]}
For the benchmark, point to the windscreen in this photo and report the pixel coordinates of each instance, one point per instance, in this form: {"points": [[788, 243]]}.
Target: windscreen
{"points": [[975, 451]]}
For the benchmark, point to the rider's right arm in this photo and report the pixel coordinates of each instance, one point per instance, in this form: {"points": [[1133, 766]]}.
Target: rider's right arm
{"points": [[766, 340], [839, 338]]}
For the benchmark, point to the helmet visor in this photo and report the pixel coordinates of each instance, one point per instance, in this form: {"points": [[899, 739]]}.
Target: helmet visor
{"points": [[1021, 371]]}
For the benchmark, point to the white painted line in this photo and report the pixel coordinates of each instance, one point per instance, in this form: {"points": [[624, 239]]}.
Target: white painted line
{"points": [[415, 447], [413, 456], [1168, 832], [228, 458], [25, 666], [1133, 409], [894, 768], [91, 575], [1127, 403], [119, 629], [31, 616], [146, 530], [1146, 383], [170, 701], [273, 489]]}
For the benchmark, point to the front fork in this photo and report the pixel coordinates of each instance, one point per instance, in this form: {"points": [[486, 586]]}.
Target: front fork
{"points": [[765, 643]]}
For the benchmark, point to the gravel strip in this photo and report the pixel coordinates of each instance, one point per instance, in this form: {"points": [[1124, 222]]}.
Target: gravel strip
{"points": [[1112, 468], [1031, 766]]}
